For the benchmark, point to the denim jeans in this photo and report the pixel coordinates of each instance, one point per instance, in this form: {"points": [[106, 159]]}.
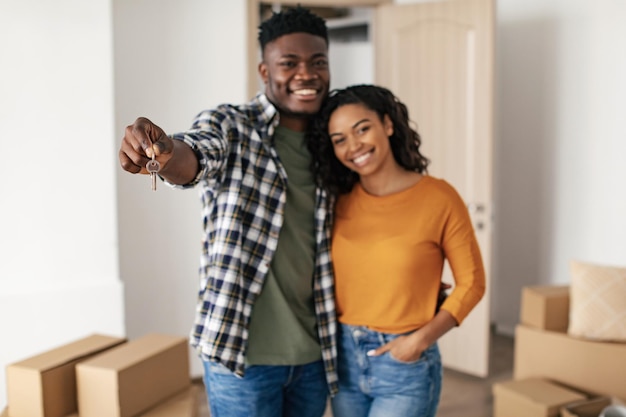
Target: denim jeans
{"points": [[382, 386], [267, 391]]}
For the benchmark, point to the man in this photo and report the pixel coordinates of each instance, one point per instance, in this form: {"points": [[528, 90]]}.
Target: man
{"points": [[265, 324]]}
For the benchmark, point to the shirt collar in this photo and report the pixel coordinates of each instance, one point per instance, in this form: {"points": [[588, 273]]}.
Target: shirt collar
{"points": [[268, 112]]}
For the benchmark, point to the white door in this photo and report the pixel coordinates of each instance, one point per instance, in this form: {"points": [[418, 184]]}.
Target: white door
{"points": [[438, 58]]}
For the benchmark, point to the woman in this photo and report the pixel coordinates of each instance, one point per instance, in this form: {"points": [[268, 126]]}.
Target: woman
{"points": [[394, 228]]}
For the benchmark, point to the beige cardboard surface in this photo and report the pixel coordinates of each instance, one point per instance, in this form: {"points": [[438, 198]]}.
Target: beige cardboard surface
{"points": [[44, 385], [595, 367], [5, 413], [586, 408], [532, 397], [545, 307], [132, 378], [184, 404]]}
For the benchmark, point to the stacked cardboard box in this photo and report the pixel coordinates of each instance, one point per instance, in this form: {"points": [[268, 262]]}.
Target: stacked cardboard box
{"points": [[532, 397], [101, 376], [549, 352], [45, 385], [589, 408], [545, 307], [545, 352]]}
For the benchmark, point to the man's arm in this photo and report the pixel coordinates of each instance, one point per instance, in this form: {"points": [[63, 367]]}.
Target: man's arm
{"points": [[179, 164]]}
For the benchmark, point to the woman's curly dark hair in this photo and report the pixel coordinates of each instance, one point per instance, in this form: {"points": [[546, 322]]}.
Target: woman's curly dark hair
{"points": [[405, 142]]}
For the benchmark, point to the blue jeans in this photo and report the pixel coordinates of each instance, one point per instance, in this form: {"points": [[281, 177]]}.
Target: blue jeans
{"points": [[267, 391], [382, 386]]}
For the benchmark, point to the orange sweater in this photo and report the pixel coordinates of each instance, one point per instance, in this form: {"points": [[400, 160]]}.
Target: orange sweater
{"points": [[388, 255]]}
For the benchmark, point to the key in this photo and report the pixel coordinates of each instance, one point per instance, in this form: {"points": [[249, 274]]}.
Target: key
{"points": [[153, 167]]}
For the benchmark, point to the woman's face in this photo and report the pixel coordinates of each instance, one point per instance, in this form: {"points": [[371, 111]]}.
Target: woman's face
{"points": [[361, 140]]}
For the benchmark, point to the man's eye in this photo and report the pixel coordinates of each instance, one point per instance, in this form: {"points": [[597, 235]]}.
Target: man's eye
{"points": [[287, 64], [321, 63]]}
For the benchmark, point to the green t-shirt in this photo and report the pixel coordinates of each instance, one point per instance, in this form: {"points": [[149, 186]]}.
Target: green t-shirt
{"points": [[283, 325]]}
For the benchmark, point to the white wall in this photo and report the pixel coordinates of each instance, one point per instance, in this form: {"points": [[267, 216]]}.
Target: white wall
{"points": [[560, 171], [173, 58], [345, 59], [58, 241], [351, 58]]}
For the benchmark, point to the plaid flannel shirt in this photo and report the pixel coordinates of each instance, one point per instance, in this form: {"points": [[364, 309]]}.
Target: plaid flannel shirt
{"points": [[243, 192]]}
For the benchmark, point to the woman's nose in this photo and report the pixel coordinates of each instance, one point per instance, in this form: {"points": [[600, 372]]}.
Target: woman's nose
{"points": [[353, 144]]}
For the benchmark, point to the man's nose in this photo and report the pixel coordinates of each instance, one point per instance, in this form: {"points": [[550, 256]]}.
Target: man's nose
{"points": [[306, 71]]}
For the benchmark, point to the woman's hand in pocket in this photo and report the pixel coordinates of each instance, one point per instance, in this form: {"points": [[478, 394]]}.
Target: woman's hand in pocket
{"points": [[407, 348]]}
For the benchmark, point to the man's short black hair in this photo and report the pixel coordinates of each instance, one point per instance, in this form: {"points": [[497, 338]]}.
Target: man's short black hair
{"points": [[293, 20]]}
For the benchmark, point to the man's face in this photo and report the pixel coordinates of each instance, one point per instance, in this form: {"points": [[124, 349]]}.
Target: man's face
{"points": [[296, 75]]}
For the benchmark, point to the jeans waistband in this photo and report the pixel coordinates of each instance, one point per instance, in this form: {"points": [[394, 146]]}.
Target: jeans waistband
{"points": [[364, 332]]}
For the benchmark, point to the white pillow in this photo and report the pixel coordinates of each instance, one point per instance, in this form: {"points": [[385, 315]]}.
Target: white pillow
{"points": [[597, 302]]}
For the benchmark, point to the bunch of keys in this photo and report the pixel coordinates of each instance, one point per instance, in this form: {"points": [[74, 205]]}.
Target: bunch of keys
{"points": [[153, 167]]}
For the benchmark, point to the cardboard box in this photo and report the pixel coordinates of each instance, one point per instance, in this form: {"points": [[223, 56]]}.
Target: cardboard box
{"points": [[586, 408], [45, 385], [5, 413], [130, 379], [532, 397], [184, 404], [595, 367], [545, 307]]}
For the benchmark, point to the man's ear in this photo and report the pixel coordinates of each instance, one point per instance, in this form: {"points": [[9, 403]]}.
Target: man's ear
{"points": [[263, 71]]}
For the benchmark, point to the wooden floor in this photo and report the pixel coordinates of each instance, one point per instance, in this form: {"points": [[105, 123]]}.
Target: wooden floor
{"points": [[462, 395], [468, 396]]}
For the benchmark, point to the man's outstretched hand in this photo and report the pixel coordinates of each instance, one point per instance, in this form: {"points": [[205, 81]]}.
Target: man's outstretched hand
{"points": [[141, 140]]}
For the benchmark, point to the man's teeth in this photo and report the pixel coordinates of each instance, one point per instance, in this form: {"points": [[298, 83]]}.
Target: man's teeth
{"points": [[305, 92]]}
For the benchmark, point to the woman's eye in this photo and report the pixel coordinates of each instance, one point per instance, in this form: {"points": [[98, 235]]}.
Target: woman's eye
{"points": [[363, 129], [338, 141]]}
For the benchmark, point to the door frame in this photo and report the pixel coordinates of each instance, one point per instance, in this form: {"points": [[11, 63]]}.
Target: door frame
{"points": [[254, 21]]}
